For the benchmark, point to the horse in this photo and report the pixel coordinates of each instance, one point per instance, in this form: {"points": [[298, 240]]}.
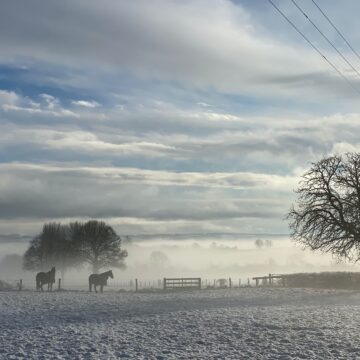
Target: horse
{"points": [[99, 279], [45, 278]]}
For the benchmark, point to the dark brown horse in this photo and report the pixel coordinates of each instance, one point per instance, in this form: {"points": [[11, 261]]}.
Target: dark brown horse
{"points": [[99, 279], [45, 278]]}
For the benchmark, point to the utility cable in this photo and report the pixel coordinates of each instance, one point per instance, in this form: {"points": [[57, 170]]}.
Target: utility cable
{"points": [[314, 47], [326, 38], [336, 29]]}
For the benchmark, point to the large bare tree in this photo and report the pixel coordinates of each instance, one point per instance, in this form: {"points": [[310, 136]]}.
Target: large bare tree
{"points": [[326, 215], [100, 246]]}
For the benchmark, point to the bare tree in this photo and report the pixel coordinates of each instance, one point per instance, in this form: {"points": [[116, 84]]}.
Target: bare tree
{"points": [[268, 243], [43, 251], [101, 246], [259, 243], [326, 215], [33, 259], [159, 259], [54, 246]]}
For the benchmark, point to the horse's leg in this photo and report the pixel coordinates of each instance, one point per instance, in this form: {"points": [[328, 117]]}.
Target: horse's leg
{"points": [[101, 288], [41, 286], [95, 288], [90, 286]]}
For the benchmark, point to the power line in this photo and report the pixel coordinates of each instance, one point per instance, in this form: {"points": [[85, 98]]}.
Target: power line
{"points": [[325, 37], [336, 29], [314, 46]]}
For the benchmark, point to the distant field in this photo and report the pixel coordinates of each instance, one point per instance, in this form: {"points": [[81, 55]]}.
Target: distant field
{"points": [[246, 323]]}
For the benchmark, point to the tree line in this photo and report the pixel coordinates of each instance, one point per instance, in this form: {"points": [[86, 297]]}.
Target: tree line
{"points": [[72, 245]]}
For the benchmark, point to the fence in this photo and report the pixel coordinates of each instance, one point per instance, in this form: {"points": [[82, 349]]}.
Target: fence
{"points": [[270, 280], [341, 280], [182, 283], [131, 284]]}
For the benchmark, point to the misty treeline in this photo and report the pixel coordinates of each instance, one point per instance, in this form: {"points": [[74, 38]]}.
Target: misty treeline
{"points": [[260, 243], [72, 245]]}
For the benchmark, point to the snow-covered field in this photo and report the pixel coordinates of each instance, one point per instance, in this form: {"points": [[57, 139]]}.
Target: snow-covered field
{"points": [[247, 323]]}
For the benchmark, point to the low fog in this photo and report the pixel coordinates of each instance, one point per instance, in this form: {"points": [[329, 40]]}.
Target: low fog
{"points": [[209, 257]]}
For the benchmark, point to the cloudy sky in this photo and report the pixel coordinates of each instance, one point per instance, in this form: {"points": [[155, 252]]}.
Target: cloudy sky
{"points": [[168, 116]]}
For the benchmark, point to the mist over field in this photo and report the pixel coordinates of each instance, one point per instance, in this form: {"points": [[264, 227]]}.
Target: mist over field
{"points": [[210, 257]]}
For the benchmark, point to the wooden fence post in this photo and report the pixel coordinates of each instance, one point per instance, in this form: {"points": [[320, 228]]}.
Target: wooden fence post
{"points": [[136, 285], [20, 285], [230, 283], [164, 284], [59, 284]]}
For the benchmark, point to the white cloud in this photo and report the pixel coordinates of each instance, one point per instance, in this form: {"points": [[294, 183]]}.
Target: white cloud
{"points": [[145, 200], [235, 180], [8, 97], [146, 163], [51, 102], [201, 43], [36, 110], [344, 147], [50, 105], [204, 104], [87, 104]]}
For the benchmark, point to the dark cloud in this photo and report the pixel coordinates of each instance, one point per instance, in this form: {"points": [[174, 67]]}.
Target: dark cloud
{"points": [[50, 192]]}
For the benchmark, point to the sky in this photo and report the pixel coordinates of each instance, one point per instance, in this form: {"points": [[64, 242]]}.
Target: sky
{"points": [[168, 116]]}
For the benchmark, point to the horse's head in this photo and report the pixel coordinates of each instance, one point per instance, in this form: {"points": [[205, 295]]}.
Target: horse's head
{"points": [[111, 274], [52, 273]]}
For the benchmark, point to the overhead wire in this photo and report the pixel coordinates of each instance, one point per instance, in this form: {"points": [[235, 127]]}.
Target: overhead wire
{"points": [[314, 46], [326, 38], [337, 30]]}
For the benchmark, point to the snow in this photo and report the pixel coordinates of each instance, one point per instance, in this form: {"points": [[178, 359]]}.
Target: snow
{"points": [[245, 323]]}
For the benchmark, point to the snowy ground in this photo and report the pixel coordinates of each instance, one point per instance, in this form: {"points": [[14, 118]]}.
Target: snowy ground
{"points": [[208, 324]]}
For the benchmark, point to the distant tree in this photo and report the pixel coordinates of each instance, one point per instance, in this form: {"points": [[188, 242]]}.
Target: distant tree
{"points": [[66, 246], [100, 246], [33, 257], [53, 247], [159, 259], [326, 215], [259, 243], [127, 240], [268, 243], [68, 252], [44, 248]]}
